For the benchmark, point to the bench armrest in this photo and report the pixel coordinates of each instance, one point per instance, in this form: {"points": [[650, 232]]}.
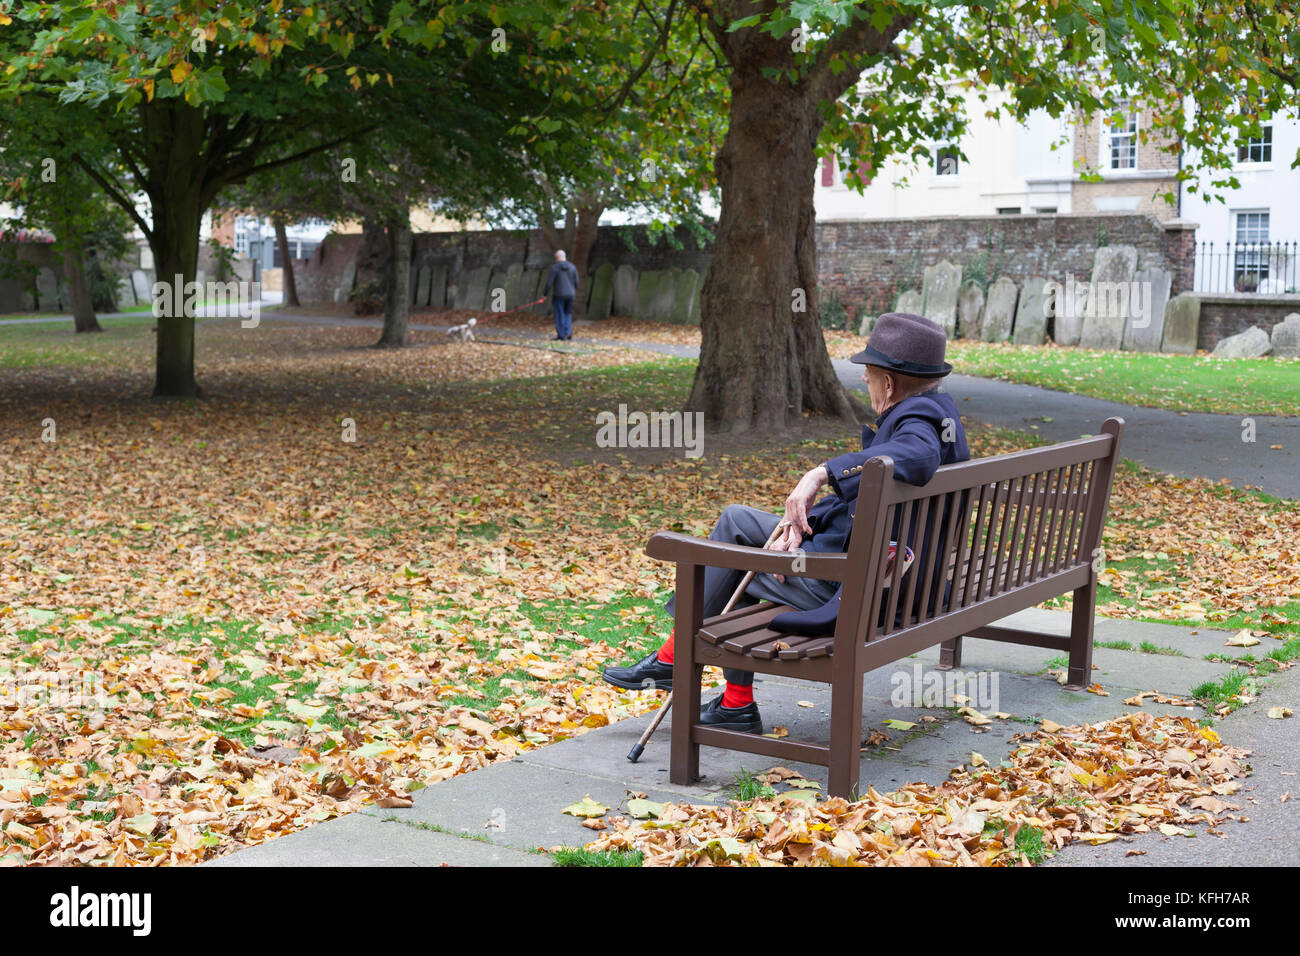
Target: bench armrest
{"points": [[686, 549]]}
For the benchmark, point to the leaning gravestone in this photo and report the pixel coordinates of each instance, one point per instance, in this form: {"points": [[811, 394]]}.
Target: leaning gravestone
{"points": [[939, 294], [909, 301], [497, 296], [341, 292], [1031, 311], [140, 283], [687, 291], [970, 308], [422, 288], [697, 303], [602, 292], [1285, 338], [625, 288], [47, 288], [1109, 297], [1253, 343], [1182, 324], [661, 308], [1150, 295], [999, 311], [647, 293], [1069, 302], [472, 288], [514, 278], [868, 323], [438, 286]]}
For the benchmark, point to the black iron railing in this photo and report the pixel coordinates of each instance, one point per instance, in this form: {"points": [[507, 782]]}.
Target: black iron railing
{"points": [[1266, 267]]}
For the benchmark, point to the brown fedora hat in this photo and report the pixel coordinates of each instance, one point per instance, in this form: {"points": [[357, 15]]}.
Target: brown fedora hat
{"points": [[906, 343]]}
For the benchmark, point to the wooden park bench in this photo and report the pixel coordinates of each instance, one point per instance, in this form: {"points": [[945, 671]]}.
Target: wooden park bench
{"points": [[1008, 532]]}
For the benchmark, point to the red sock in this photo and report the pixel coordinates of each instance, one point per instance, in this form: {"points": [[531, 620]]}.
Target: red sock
{"points": [[665, 654], [737, 695]]}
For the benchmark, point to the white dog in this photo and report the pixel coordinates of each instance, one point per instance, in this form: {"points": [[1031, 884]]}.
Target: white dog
{"points": [[463, 333]]}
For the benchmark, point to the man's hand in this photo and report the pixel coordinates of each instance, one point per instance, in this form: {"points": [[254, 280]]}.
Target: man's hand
{"points": [[801, 499], [796, 512]]}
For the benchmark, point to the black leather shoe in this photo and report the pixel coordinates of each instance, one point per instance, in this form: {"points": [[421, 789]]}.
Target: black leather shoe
{"points": [[746, 718], [649, 673]]}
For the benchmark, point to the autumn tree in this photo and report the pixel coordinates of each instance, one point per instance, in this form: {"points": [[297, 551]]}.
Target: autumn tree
{"points": [[198, 97], [41, 181], [649, 114], [870, 79]]}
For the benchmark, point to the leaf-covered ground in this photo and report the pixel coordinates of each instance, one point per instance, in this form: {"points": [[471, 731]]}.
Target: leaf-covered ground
{"points": [[1096, 783], [220, 621]]}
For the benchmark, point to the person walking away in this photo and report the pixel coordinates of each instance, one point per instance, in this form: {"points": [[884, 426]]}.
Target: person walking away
{"points": [[562, 286]]}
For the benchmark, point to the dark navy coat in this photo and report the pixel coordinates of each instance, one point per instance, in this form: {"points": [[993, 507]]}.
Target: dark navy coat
{"points": [[911, 433]]}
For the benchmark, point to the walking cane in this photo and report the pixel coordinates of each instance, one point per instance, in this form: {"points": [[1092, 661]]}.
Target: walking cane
{"points": [[635, 753]]}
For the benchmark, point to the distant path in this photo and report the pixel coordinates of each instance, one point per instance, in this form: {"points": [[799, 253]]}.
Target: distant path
{"points": [[1188, 444]]}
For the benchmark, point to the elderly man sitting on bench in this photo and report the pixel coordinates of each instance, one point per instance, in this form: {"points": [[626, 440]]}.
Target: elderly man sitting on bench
{"points": [[918, 426]]}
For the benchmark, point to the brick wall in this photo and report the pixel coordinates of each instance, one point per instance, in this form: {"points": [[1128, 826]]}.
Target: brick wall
{"points": [[1225, 315], [868, 262]]}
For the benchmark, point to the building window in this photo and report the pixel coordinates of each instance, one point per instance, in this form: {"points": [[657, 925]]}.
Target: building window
{"points": [[946, 161], [1257, 149], [1119, 139], [1250, 259], [248, 234], [1045, 210], [1008, 210]]}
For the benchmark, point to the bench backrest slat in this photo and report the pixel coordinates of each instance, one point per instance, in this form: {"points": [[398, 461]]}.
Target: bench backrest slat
{"points": [[978, 529]]}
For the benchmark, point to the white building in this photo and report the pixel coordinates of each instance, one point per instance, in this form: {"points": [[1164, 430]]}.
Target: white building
{"points": [[1249, 242], [1009, 169]]}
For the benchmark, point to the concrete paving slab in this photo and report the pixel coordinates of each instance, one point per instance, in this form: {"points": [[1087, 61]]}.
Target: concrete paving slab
{"points": [[1269, 799], [362, 839], [522, 801]]}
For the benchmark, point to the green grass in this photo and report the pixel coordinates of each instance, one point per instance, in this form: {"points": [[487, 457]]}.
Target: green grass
{"points": [[635, 623], [1190, 383], [1029, 844], [1114, 645], [1146, 647], [576, 856], [748, 787], [1227, 689]]}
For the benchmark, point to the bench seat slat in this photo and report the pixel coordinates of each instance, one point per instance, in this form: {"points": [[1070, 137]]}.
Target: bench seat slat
{"points": [[741, 621]]}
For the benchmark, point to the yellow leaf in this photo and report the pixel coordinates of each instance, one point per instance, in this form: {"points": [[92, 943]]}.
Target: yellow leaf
{"points": [[180, 71], [586, 807]]}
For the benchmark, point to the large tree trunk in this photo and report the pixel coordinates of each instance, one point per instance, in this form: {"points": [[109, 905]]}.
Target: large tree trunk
{"points": [[763, 360], [584, 238], [286, 265], [83, 309], [176, 259], [174, 136], [397, 306]]}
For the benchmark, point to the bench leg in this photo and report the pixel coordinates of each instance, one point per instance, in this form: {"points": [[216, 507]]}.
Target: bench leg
{"points": [[950, 654], [846, 733], [684, 762], [1081, 620]]}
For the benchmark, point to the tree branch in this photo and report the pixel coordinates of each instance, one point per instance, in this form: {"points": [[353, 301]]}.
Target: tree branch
{"points": [[858, 37], [115, 194]]}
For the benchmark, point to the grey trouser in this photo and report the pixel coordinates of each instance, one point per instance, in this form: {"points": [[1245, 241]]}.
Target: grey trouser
{"points": [[740, 524]]}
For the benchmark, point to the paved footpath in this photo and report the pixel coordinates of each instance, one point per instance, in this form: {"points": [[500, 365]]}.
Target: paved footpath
{"points": [[501, 815]]}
